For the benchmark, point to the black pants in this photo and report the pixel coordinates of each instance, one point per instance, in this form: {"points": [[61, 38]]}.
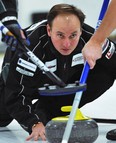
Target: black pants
{"points": [[5, 118]]}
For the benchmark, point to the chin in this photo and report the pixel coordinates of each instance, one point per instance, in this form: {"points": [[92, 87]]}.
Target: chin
{"points": [[64, 53]]}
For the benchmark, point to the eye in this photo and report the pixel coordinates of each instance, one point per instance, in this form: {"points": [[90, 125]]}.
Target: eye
{"points": [[73, 36], [60, 35]]}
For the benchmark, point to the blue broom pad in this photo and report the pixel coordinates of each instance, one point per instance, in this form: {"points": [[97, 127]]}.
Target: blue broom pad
{"points": [[54, 90]]}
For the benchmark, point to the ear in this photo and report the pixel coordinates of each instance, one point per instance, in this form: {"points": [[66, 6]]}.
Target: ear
{"points": [[80, 32], [48, 30]]}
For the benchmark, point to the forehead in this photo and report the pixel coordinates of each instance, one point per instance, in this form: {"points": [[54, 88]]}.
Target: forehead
{"points": [[66, 22], [66, 17]]}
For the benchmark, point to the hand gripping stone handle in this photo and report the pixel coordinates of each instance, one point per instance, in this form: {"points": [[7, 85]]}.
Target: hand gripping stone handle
{"points": [[83, 78]]}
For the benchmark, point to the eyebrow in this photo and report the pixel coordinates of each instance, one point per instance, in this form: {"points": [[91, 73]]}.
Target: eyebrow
{"points": [[63, 33]]}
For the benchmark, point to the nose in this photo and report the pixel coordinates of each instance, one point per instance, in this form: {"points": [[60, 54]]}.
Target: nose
{"points": [[66, 43]]}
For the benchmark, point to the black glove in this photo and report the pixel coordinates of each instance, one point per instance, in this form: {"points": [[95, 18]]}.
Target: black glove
{"points": [[18, 35]]}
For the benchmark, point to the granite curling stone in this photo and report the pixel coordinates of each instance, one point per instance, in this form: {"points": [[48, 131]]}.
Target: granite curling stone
{"points": [[84, 130]]}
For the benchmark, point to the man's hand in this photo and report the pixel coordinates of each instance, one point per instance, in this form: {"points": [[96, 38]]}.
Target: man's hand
{"points": [[38, 132], [92, 51], [17, 35]]}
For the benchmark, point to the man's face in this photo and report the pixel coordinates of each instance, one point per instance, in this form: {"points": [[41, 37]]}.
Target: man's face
{"points": [[65, 33]]}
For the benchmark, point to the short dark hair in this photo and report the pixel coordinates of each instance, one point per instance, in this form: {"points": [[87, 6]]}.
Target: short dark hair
{"points": [[64, 9]]}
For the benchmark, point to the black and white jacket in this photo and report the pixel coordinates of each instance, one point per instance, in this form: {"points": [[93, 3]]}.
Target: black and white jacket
{"points": [[8, 8], [25, 78]]}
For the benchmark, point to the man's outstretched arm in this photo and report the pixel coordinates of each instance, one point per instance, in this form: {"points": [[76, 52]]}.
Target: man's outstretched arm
{"points": [[93, 48]]}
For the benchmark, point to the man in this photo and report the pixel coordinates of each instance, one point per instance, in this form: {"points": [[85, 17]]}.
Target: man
{"points": [[92, 50], [58, 43], [9, 15]]}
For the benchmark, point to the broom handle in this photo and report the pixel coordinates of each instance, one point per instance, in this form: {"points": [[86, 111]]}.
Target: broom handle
{"points": [[83, 78]]}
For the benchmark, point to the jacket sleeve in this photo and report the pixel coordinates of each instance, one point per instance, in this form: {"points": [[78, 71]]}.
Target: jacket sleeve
{"points": [[22, 85], [8, 8], [19, 96]]}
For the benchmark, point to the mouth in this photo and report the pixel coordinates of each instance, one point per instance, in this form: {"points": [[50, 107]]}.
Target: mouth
{"points": [[66, 50]]}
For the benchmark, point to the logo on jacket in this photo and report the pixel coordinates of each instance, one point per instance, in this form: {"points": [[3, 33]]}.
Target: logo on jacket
{"points": [[77, 60], [28, 65], [26, 68], [111, 51], [51, 65]]}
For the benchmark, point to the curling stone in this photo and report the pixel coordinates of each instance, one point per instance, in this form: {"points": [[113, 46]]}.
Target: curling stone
{"points": [[84, 130]]}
